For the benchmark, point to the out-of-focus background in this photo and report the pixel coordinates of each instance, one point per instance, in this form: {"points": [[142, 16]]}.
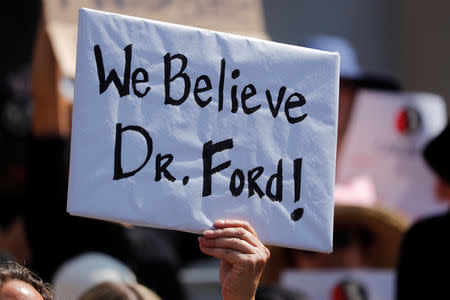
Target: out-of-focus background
{"points": [[403, 49], [404, 39]]}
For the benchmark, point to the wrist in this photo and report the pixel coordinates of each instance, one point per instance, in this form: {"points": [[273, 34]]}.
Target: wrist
{"points": [[238, 295]]}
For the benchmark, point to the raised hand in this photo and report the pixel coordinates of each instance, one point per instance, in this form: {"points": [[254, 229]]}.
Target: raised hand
{"points": [[242, 257]]}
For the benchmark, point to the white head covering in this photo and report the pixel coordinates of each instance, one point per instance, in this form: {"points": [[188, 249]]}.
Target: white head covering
{"points": [[349, 64], [80, 273]]}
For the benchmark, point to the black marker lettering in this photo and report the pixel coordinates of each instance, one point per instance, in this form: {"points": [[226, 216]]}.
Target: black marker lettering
{"points": [[278, 177], [292, 104], [122, 88], [252, 185], [234, 101], [221, 83], [237, 190], [135, 81], [275, 109], [118, 171], [167, 79], [245, 95], [209, 149], [297, 214], [163, 168], [197, 90]]}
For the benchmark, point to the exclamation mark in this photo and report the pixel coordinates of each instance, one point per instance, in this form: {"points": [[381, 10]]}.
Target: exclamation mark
{"points": [[297, 214]]}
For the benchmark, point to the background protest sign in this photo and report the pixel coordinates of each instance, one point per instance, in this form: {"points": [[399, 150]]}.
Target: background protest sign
{"points": [[385, 140], [174, 127], [374, 284]]}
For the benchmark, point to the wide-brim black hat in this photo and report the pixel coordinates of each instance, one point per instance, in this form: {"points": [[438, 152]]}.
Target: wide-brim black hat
{"points": [[437, 154]]}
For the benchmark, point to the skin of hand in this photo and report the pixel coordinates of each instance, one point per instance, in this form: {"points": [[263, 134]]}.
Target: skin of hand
{"points": [[242, 257]]}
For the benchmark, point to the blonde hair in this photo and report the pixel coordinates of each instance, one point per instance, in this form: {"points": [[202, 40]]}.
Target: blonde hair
{"points": [[119, 291]]}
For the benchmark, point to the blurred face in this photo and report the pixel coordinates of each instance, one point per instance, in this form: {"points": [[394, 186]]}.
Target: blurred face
{"points": [[15, 289], [348, 252], [347, 91], [350, 257]]}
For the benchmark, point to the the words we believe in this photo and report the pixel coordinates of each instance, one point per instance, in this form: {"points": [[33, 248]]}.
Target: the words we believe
{"points": [[202, 84], [175, 70]]}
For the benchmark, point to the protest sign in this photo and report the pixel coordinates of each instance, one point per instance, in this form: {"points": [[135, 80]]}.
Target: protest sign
{"points": [[341, 284], [174, 127], [384, 142]]}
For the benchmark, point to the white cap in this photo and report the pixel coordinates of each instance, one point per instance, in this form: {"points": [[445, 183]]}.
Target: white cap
{"points": [[349, 65], [83, 272]]}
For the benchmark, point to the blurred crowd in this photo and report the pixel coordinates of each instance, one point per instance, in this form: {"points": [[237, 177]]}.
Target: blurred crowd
{"points": [[83, 258]]}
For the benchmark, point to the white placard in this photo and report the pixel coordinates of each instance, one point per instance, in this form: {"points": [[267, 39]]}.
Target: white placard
{"points": [[341, 283], [175, 126], [385, 140]]}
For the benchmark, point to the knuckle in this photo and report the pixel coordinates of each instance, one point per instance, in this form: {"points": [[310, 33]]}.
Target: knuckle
{"points": [[235, 241], [262, 256], [260, 263], [245, 224], [249, 262], [241, 232], [249, 228]]}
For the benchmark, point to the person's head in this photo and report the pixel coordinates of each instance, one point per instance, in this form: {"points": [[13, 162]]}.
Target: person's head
{"points": [[352, 76], [363, 237], [82, 272], [119, 291], [19, 283], [437, 156], [353, 247]]}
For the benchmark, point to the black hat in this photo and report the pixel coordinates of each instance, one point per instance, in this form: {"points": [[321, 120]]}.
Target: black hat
{"points": [[437, 154]]}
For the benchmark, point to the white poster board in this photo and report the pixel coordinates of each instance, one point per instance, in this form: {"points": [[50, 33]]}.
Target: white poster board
{"points": [[341, 284], [385, 140], [174, 127]]}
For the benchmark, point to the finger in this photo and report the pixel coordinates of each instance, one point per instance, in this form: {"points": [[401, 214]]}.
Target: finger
{"points": [[233, 232], [228, 255], [231, 243], [234, 257], [222, 223]]}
